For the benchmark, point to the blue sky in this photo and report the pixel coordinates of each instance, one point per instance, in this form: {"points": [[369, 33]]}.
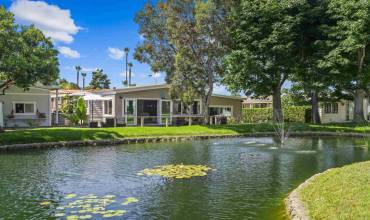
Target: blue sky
{"points": [[84, 30]]}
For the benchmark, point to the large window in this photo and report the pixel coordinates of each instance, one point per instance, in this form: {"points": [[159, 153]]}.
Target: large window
{"points": [[220, 111], [108, 107], [180, 108], [331, 108], [25, 108]]}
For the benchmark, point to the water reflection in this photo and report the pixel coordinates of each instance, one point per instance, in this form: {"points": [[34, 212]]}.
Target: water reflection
{"points": [[253, 176]]}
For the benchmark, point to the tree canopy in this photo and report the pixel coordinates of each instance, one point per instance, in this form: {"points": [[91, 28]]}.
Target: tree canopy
{"points": [[186, 40], [265, 48], [347, 58], [27, 57], [99, 80]]}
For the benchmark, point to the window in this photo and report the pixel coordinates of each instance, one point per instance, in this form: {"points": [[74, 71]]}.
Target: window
{"points": [[196, 108], [26, 108], [108, 107], [177, 107], [220, 111], [331, 108]]}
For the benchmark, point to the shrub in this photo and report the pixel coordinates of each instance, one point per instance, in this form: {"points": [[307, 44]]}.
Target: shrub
{"points": [[291, 114]]}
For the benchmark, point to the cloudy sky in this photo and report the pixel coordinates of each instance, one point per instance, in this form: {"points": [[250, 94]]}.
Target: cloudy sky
{"points": [[89, 33]]}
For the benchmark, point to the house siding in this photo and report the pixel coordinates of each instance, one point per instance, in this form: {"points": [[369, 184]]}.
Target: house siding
{"points": [[41, 98], [163, 93], [341, 116]]}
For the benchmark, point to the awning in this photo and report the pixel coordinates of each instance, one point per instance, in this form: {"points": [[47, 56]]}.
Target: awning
{"points": [[91, 97]]}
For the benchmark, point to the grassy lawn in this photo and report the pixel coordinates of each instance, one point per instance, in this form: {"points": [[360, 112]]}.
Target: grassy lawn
{"points": [[72, 134], [342, 193]]}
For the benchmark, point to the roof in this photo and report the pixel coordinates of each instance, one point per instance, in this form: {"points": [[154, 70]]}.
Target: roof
{"points": [[227, 96], [143, 87], [258, 100], [134, 89]]}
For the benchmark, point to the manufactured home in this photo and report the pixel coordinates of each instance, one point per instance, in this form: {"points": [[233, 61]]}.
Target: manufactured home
{"points": [[151, 105], [25, 108]]}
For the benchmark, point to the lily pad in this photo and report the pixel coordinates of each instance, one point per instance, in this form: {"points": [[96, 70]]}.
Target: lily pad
{"points": [[178, 171], [45, 203], [70, 196], [130, 200]]}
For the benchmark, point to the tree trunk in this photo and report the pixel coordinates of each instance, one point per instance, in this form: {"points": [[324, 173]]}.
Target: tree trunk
{"points": [[277, 114], [315, 116], [358, 116], [206, 107]]}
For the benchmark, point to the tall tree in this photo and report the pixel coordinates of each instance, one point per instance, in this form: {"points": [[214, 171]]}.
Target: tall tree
{"points": [[27, 57], [312, 80], [348, 46], [264, 52], [185, 39], [99, 80], [78, 70], [126, 50]]}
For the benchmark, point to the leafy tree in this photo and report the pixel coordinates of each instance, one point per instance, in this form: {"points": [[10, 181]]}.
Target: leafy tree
{"points": [[348, 48], [99, 80], [75, 110], [65, 84], [293, 97], [27, 57], [185, 39], [264, 50], [311, 80]]}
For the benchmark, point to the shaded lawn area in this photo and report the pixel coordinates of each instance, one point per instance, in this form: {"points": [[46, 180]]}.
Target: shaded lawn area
{"points": [[39, 135], [341, 193]]}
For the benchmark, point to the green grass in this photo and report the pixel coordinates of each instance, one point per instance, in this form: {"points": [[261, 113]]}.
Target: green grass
{"points": [[39, 135], [341, 193]]}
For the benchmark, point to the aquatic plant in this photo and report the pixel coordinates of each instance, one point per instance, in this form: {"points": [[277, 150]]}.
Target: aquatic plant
{"points": [[130, 200], [88, 206], [179, 171]]}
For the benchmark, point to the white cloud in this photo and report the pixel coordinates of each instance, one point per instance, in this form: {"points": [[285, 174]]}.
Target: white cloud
{"points": [[123, 74], [53, 21], [221, 90], [88, 69], [115, 53], [83, 69], [68, 52], [156, 75]]}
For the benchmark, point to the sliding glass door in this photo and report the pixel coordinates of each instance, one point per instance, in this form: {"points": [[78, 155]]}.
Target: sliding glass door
{"points": [[131, 112], [166, 106]]}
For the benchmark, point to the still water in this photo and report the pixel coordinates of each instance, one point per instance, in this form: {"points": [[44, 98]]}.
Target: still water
{"points": [[252, 177]]}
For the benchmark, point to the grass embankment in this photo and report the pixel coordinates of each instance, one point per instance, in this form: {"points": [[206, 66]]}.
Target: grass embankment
{"points": [[341, 193], [40, 135]]}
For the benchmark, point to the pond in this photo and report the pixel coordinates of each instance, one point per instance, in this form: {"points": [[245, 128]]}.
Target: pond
{"points": [[249, 179]]}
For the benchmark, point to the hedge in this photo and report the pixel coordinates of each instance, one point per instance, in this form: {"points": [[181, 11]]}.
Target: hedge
{"points": [[291, 114]]}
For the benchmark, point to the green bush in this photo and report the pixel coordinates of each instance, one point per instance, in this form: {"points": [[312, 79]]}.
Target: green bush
{"points": [[291, 114]]}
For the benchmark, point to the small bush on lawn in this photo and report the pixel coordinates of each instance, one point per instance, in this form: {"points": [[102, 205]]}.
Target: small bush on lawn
{"points": [[291, 114]]}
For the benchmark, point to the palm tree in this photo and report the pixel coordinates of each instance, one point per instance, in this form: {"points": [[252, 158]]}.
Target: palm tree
{"points": [[126, 52], [83, 80], [78, 69], [130, 65]]}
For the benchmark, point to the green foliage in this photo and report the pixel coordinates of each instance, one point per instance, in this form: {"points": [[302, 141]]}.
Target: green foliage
{"points": [[291, 114], [75, 110], [264, 50], [64, 84], [27, 57], [186, 40], [99, 80]]}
